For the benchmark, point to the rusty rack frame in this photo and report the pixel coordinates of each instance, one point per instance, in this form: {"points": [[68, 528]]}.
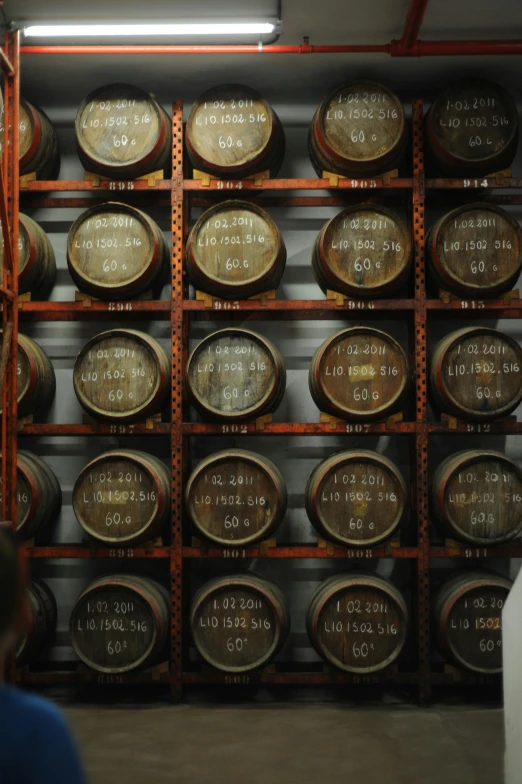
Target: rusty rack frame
{"points": [[181, 195], [9, 60], [9, 288]]}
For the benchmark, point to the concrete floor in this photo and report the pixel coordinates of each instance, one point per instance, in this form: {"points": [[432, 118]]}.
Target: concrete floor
{"points": [[289, 744]]}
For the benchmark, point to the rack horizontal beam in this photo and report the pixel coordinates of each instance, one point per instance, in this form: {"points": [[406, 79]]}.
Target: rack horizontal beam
{"points": [[297, 309], [299, 184], [298, 678], [223, 185], [299, 551], [151, 310], [276, 552], [77, 678], [492, 308], [297, 428], [83, 551], [100, 429], [473, 183], [292, 309], [507, 426], [113, 186], [464, 678], [474, 552]]}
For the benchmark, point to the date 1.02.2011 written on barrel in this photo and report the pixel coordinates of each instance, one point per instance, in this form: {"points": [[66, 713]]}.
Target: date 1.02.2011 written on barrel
{"points": [[239, 622], [235, 497], [122, 497], [476, 373], [358, 622], [120, 623], [477, 360], [358, 373], [469, 620], [236, 373], [356, 498]]}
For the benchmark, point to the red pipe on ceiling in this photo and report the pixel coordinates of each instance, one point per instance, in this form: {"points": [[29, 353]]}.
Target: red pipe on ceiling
{"points": [[413, 24], [395, 49], [207, 49], [441, 48]]}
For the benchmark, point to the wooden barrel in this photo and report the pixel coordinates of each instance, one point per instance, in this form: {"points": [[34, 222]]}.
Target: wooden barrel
{"points": [[475, 250], [115, 251], [35, 382], [236, 374], [359, 130], [235, 497], [41, 606], [122, 132], [122, 375], [471, 129], [356, 498], [39, 151], [239, 622], [235, 251], [468, 620], [476, 374], [359, 373], [120, 623], [122, 497], [36, 260], [364, 251], [358, 622], [477, 497], [233, 132], [38, 495]]}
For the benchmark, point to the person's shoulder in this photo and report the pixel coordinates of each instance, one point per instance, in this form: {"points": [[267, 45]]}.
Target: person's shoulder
{"points": [[37, 724], [31, 706]]}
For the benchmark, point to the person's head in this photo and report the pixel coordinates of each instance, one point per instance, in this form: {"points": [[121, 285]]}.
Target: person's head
{"points": [[12, 590]]}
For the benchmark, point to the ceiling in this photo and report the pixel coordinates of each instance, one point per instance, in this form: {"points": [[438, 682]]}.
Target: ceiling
{"points": [[60, 10], [287, 79], [328, 21]]}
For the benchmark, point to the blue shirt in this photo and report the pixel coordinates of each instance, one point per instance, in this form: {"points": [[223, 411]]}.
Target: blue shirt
{"points": [[36, 746]]}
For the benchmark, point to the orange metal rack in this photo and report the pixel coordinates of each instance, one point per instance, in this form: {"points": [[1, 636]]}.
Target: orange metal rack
{"points": [[181, 195]]}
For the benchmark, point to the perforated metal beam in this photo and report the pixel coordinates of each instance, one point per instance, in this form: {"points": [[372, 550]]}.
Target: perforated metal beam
{"points": [[177, 350], [420, 463]]}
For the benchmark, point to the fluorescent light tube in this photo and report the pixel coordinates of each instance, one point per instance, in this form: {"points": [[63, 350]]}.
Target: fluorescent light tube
{"points": [[147, 30]]}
